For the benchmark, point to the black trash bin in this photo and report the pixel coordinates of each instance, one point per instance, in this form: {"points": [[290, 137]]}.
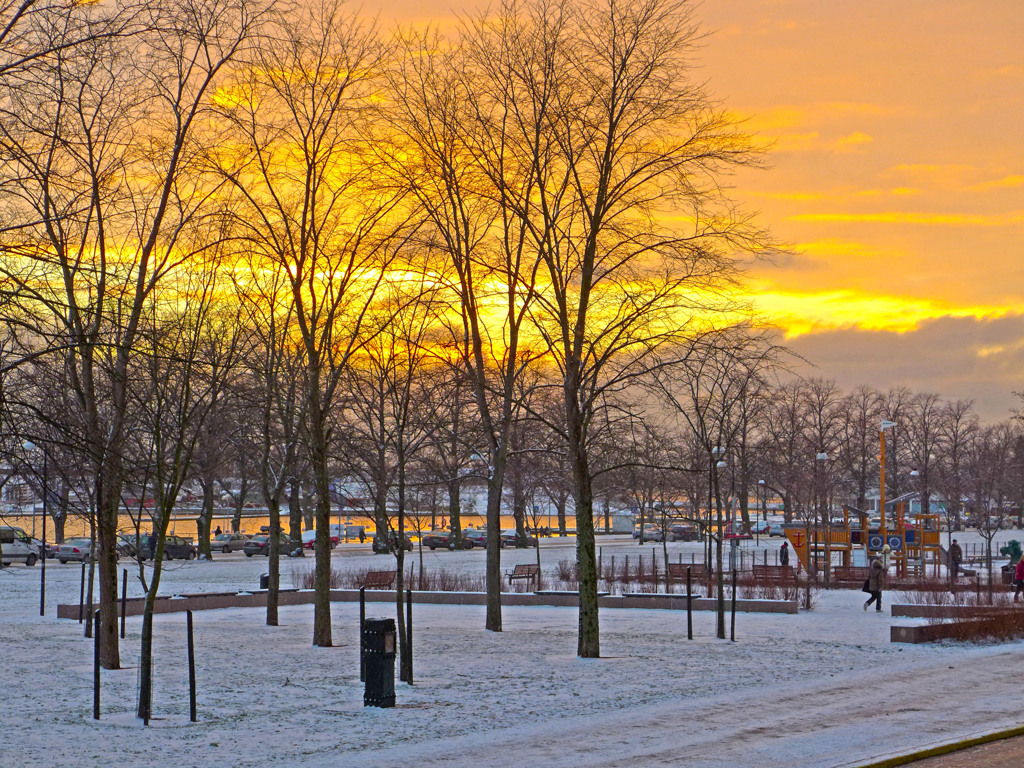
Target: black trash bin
{"points": [[264, 581], [379, 639]]}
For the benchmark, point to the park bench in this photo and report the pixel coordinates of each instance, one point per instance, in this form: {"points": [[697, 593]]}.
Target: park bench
{"points": [[523, 571], [850, 574], [773, 574], [677, 571], [379, 580]]}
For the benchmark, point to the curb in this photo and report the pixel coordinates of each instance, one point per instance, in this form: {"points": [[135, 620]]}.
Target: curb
{"points": [[945, 749]]}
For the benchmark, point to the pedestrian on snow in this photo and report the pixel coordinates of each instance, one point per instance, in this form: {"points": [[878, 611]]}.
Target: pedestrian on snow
{"points": [[874, 584], [956, 555], [362, 534], [784, 554], [1018, 578]]}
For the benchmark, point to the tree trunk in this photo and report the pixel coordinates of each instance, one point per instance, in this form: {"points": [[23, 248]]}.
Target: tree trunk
{"points": [[274, 560], [560, 506], [492, 621], [589, 640], [455, 508], [108, 505], [294, 512], [205, 521]]}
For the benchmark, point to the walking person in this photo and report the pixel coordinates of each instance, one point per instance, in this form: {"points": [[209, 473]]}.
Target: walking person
{"points": [[1018, 579], [874, 584], [956, 555], [784, 554]]}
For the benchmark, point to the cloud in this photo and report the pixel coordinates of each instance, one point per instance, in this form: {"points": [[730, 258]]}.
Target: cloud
{"points": [[1013, 218], [854, 142], [958, 357], [1010, 181], [799, 313]]}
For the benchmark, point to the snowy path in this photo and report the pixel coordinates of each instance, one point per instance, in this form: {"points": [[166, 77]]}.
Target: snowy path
{"points": [[850, 720]]}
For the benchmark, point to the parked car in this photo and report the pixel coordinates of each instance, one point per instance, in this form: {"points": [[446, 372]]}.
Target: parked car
{"points": [[125, 546], [260, 545], [74, 550], [759, 527], [229, 542], [309, 538], [652, 532], [508, 539], [442, 538], [777, 529], [175, 548], [18, 546], [682, 533], [382, 544], [475, 537]]}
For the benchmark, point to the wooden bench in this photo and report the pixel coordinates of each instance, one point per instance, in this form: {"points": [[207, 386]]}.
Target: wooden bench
{"points": [[852, 574], [523, 571], [773, 574], [379, 580], [677, 571]]}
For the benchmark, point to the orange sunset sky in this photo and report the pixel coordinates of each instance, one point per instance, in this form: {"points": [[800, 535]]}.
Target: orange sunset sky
{"points": [[896, 178]]}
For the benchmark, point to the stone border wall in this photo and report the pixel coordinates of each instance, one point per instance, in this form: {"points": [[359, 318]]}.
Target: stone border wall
{"points": [[258, 599]]}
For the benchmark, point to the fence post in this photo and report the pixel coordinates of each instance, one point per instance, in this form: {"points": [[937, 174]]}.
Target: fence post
{"points": [[81, 596], [96, 666], [732, 630], [362, 624], [689, 605], [408, 631], [191, 669], [124, 597]]}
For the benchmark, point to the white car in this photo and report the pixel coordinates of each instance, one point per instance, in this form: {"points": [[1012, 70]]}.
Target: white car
{"points": [[17, 546]]}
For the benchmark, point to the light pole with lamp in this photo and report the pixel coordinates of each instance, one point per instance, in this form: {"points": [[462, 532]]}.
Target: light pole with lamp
{"points": [[823, 515], [30, 447], [764, 517]]}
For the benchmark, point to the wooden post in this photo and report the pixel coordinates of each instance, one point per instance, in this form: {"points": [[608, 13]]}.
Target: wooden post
{"points": [[96, 666], [732, 630], [81, 596], [689, 605], [191, 668], [124, 597], [362, 623], [408, 633]]}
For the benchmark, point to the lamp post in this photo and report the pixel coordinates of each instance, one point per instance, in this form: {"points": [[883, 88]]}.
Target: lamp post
{"points": [[30, 447], [823, 515], [762, 500]]}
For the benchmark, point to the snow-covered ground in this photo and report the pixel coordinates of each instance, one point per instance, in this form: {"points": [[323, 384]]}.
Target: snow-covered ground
{"points": [[822, 688]]}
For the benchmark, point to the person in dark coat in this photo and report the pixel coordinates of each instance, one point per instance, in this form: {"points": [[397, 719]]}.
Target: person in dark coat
{"points": [[956, 555], [875, 575], [784, 554]]}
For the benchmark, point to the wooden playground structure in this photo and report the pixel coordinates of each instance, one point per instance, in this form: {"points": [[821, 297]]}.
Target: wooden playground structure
{"points": [[911, 546]]}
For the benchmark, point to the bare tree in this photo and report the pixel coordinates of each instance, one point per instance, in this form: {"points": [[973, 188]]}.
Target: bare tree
{"points": [[100, 180], [296, 126]]}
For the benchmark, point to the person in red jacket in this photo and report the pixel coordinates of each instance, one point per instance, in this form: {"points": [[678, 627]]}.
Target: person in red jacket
{"points": [[1018, 578]]}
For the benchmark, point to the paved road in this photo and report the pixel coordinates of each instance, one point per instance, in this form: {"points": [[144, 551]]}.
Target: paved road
{"points": [[1007, 753]]}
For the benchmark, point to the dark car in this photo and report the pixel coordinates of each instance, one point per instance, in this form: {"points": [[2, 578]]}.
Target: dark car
{"points": [[445, 539], [125, 546], [390, 544], [508, 539], [260, 545], [175, 548], [682, 533], [475, 537]]}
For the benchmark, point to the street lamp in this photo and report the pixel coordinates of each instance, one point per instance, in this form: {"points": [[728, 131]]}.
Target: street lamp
{"points": [[29, 448], [762, 501], [819, 460]]}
